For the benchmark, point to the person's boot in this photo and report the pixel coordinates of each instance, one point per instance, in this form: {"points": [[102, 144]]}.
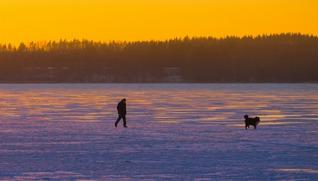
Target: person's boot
{"points": [[116, 124], [125, 126]]}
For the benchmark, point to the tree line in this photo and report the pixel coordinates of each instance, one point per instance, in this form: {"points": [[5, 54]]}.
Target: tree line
{"points": [[268, 58]]}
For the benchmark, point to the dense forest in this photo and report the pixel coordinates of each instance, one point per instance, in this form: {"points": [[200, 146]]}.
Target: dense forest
{"points": [[267, 58]]}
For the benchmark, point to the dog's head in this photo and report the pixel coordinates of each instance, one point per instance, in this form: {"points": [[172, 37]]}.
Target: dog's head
{"points": [[257, 119], [246, 116]]}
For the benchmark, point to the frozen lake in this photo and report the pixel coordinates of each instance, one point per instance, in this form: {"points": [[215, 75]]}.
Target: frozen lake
{"points": [[176, 132]]}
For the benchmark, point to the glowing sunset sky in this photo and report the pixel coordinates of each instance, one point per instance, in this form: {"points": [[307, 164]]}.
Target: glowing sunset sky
{"points": [[104, 20]]}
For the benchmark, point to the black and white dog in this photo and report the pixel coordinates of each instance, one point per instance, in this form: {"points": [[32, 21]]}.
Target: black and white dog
{"points": [[251, 121]]}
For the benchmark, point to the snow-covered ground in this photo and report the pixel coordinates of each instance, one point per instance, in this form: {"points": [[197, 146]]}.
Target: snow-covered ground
{"points": [[176, 132]]}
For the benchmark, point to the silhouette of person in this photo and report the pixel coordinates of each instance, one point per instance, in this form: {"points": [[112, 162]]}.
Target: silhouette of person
{"points": [[121, 108]]}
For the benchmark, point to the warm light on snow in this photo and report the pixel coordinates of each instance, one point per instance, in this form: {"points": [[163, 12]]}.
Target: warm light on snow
{"points": [[175, 131]]}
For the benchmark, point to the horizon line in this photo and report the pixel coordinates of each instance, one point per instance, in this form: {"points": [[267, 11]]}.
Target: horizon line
{"points": [[158, 40]]}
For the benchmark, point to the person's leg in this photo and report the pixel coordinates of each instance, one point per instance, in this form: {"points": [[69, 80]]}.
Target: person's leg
{"points": [[118, 119], [124, 120]]}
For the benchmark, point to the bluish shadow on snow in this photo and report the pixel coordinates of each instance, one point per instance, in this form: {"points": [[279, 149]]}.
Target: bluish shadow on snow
{"points": [[176, 132]]}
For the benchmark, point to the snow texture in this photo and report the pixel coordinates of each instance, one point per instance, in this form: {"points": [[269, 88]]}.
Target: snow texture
{"points": [[176, 132]]}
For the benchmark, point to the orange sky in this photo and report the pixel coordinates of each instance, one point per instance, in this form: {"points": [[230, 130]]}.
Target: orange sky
{"points": [[105, 20]]}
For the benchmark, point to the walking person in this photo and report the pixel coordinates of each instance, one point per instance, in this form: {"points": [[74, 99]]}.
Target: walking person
{"points": [[121, 108]]}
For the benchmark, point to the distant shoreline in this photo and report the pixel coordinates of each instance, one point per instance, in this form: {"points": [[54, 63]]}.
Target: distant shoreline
{"points": [[280, 58]]}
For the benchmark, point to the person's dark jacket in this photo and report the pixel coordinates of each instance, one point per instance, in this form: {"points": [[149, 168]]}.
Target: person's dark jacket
{"points": [[121, 108]]}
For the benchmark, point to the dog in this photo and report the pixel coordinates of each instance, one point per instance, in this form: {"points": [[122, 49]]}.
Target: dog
{"points": [[251, 121]]}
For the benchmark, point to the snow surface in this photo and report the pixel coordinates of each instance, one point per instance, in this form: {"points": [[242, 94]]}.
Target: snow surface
{"points": [[176, 132]]}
